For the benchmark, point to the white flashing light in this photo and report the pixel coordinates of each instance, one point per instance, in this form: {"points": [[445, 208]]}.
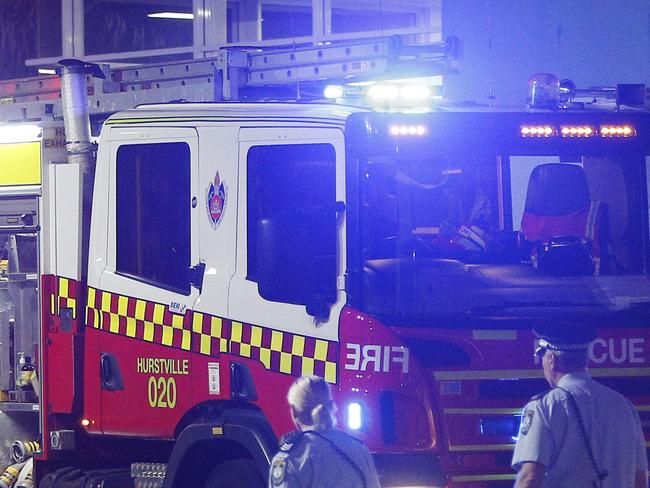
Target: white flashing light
{"points": [[46, 71], [355, 416], [407, 130], [538, 131], [171, 15], [415, 92], [361, 83], [381, 92], [333, 91], [20, 133]]}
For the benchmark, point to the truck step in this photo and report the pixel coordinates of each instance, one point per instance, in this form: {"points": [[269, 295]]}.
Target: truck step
{"points": [[148, 475]]}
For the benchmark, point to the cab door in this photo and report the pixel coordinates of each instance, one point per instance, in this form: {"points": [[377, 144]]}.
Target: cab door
{"points": [[151, 281], [293, 185]]}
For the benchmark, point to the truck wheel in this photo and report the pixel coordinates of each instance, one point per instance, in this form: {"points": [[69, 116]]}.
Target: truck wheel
{"points": [[238, 473]]}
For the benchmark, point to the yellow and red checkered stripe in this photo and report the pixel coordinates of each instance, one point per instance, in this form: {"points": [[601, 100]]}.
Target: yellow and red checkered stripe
{"points": [[63, 293], [205, 334]]}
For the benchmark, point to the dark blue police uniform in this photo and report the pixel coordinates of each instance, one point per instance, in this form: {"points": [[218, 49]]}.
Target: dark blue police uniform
{"points": [[330, 459]]}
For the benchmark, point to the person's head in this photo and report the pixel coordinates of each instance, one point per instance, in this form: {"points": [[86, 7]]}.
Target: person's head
{"points": [[311, 404], [563, 348]]}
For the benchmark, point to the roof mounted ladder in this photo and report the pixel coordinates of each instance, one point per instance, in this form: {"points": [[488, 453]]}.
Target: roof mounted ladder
{"points": [[233, 74]]}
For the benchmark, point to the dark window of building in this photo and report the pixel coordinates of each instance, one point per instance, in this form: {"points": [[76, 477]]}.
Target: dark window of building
{"points": [[153, 214], [28, 29], [232, 22], [349, 20], [112, 27], [285, 21]]}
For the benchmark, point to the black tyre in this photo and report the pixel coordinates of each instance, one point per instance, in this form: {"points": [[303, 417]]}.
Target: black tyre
{"points": [[238, 473]]}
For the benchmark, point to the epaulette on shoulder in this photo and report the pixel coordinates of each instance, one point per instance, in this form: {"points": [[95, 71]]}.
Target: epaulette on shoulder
{"points": [[317, 434], [352, 437], [539, 396], [289, 440]]}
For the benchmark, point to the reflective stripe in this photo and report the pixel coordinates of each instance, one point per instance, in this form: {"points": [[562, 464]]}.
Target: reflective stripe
{"points": [[484, 477], [64, 294], [592, 219], [482, 411], [489, 374], [494, 335], [509, 374], [225, 118], [208, 335], [482, 447]]}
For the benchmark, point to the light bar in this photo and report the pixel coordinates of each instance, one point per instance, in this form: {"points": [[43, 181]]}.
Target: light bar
{"points": [[333, 91], [577, 131], [415, 92], [19, 133], [538, 131], [46, 71], [407, 130], [171, 15], [617, 131], [381, 92]]}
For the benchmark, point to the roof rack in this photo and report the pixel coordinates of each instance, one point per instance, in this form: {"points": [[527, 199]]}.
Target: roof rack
{"points": [[235, 73]]}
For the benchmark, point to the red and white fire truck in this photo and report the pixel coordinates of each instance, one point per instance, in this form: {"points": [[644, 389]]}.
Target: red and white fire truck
{"points": [[162, 288]]}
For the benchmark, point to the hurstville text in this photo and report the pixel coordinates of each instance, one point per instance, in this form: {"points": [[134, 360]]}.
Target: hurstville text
{"points": [[163, 366]]}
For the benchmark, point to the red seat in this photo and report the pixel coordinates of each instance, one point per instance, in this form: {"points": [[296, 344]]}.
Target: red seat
{"points": [[558, 209]]}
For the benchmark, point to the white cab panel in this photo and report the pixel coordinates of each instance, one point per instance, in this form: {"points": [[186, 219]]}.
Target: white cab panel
{"points": [[66, 179], [218, 163]]}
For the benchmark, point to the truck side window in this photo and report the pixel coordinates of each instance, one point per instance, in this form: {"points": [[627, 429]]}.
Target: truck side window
{"points": [[153, 214], [289, 180]]}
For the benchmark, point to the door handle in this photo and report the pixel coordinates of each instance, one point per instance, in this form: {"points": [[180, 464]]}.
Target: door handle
{"points": [[110, 372], [196, 276]]}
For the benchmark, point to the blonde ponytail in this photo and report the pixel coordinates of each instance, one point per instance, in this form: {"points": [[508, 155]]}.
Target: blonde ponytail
{"points": [[322, 417], [312, 403]]}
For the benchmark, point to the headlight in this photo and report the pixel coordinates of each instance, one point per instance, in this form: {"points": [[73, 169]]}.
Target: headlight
{"points": [[354, 416]]}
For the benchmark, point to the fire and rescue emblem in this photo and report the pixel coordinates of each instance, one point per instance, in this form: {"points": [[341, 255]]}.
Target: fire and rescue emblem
{"points": [[216, 200], [526, 422]]}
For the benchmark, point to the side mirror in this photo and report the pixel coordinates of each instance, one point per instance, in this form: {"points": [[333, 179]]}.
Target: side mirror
{"points": [[296, 258]]}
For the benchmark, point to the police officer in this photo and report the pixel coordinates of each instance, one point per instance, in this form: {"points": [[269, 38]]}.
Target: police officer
{"points": [[580, 433], [319, 455]]}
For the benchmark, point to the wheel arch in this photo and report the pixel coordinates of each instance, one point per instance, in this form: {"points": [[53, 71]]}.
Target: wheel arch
{"points": [[215, 432]]}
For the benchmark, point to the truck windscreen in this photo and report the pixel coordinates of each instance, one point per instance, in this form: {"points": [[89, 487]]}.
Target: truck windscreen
{"points": [[445, 236]]}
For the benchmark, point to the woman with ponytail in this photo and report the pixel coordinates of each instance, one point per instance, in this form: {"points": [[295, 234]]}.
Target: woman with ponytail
{"points": [[318, 455]]}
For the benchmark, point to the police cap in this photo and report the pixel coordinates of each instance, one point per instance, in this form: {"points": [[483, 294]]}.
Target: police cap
{"points": [[561, 335]]}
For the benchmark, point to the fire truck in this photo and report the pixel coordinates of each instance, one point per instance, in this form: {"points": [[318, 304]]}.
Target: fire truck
{"points": [[169, 268]]}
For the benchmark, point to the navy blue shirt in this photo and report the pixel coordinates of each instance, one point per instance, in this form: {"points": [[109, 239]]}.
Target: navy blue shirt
{"points": [[331, 459]]}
